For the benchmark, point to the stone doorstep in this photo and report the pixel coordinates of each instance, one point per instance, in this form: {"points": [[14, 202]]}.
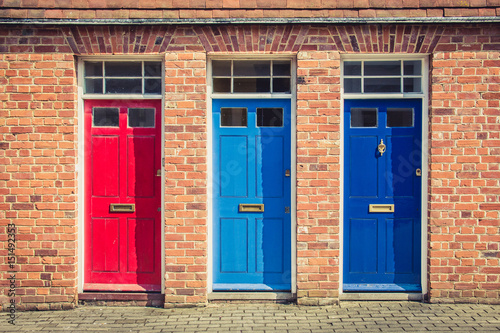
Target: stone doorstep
{"points": [[381, 297], [251, 296], [93, 296], [121, 299]]}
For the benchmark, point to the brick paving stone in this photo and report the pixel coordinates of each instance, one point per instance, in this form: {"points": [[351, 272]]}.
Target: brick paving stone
{"points": [[348, 317]]}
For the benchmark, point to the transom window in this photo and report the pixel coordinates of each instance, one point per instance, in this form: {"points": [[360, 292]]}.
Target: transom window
{"points": [[251, 76], [136, 117], [123, 77], [395, 76]]}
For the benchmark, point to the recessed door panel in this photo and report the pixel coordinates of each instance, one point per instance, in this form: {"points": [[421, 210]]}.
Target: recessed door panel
{"points": [[400, 235], [269, 166], [233, 249], [269, 233], [141, 173], [105, 245], [363, 180], [105, 171], [233, 174], [363, 259], [382, 195], [251, 201], [141, 254], [122, 195], [400, 169]]}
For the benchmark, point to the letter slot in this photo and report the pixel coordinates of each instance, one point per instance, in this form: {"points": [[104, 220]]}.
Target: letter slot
{"points": [[122, 208], [251, 208], [381, 208]]}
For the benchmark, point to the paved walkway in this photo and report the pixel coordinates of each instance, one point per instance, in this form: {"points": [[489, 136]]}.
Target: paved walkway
{"points": [[348, 317]]}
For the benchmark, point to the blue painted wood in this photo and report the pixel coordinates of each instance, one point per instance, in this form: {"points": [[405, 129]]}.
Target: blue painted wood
{"points": [[383, 287], [252, 251], [382, 250], [250, 287]]}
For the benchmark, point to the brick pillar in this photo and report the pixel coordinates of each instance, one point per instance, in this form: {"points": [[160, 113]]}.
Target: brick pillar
{"points": [[318, 177], [185, 179]]}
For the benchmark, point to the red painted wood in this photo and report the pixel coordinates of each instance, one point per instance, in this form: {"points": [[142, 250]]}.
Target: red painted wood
{"points": [[122, 250]]}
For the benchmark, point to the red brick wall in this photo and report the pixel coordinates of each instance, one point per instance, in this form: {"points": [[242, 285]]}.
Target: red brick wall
{"points": [[186, 178], [38, 158], [208, 9], [464, 185], [318, 177], [38, 150]]}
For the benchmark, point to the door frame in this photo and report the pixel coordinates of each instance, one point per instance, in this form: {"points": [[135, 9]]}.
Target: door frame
{"points": [[80, 165], [210, 147], [424, 96]]}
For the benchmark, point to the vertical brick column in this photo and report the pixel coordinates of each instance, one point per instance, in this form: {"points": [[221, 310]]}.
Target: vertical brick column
{"points": [[318, 177], [464, 220], [185, 179], [38, 179]]}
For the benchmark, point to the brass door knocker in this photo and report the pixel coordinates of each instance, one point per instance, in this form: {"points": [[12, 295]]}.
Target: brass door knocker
{"points": [[381, 147]]}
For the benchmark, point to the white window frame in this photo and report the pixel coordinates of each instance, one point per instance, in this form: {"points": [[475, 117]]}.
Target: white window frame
{"points": [[81, 77]]}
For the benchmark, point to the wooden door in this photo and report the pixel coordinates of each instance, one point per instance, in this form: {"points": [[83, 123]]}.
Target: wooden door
{"points": [[382, 195], [123, 194], [252, 224]]}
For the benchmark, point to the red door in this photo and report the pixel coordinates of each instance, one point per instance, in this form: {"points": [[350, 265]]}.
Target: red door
{"points": [[123, 198]]}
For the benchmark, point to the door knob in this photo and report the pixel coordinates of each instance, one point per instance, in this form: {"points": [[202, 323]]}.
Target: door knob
{"points": [[381, 147]]}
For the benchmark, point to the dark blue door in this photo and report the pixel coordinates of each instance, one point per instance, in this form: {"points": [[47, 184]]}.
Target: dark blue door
{"points": [[251, 187], [382, 198]]}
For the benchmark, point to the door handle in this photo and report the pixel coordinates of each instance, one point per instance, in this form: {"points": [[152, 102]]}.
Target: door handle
{"points": [[381, 208], [122, 208], [252, 208]]}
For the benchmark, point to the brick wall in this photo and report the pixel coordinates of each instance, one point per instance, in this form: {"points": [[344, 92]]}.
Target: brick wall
{"points": [[38, 179], [318, 177], [186, 178], [464, 185], [216, 9], [38, 150]]}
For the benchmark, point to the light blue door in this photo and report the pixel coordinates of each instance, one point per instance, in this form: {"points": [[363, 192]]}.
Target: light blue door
{"points": [[382, 198], [251, 194]]}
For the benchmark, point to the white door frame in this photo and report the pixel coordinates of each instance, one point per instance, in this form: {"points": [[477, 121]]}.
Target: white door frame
{"points": [[80, 166], [293, 98], [425, 156]]}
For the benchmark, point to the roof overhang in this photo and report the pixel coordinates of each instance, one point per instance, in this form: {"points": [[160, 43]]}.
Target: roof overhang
{"points": [[219, 21]]}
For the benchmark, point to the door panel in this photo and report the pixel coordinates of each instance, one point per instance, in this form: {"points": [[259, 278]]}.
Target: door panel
{"points": [[269, 151], [363, 181], [123, 194], [105, 245], [141, 173], [252, 249], [105, 152], [382, 248]]}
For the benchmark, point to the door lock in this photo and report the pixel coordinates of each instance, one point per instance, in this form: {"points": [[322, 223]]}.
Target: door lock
{"points": [[418, 172]]}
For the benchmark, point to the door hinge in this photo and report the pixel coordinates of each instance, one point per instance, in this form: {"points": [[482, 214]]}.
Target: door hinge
{"points": [[287, 210], [163, 162]]}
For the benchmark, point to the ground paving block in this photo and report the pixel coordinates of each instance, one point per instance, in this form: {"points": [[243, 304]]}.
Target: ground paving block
{"points": [[347, 317]]}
